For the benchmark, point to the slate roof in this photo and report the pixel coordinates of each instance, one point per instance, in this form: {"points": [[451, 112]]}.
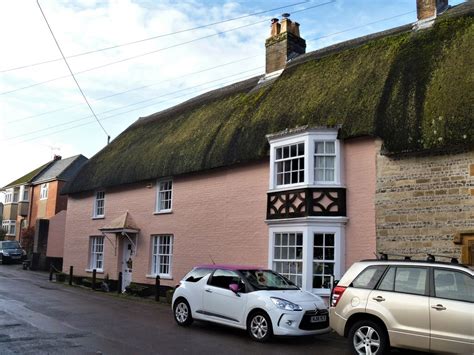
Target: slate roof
{"points": [[413, 89], [62, 169]]}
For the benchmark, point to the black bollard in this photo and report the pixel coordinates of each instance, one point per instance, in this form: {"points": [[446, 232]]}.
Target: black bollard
{"points": [[94, 276], [157, 288], [51, 273], [119, 283], [71, 268]]}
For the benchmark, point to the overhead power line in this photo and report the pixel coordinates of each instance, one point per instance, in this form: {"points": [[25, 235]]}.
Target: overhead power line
{"points": [[204, 90], [72, 74], [361, 26], [156, 51], [155, 37], [138, 88], [132, 104]]}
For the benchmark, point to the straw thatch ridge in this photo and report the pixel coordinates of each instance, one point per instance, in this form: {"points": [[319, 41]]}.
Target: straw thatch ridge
{"points": [[412, 89]]}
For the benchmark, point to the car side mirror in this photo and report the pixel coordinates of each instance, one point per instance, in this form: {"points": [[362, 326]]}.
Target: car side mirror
{"points": [[234, 288]]}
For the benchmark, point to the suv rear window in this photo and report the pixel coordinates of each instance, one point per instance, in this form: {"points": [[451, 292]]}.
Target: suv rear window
{"points": [[369, 277]]}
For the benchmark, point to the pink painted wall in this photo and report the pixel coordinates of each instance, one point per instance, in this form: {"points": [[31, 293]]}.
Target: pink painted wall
{"points": [[360, 176], [56, 231], [219, 214]]}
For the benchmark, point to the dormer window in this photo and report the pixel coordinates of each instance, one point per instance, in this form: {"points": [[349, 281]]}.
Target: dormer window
{"points": [[305, 158]]}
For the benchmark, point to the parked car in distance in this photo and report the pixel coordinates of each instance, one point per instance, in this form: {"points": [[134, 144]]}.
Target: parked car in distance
{"points": [[417, 305], [11, 251], [259, 300]]}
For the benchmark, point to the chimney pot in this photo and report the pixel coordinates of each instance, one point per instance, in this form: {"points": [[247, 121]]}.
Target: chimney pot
{"points": [[284, 43]]}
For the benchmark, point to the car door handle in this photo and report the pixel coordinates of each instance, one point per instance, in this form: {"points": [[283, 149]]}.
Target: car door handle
{"points": [[378, 298], [439, 307], [208, 290]]}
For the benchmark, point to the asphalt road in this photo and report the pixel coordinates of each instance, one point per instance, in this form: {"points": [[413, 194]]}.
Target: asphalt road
{"points": [[42, 317]]}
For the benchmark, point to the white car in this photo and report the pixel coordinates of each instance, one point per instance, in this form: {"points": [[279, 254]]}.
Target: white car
{"points": [[258, 300]]}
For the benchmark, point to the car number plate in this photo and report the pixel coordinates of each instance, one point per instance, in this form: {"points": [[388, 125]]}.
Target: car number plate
{"points": [[15, 257], [316, 319]]}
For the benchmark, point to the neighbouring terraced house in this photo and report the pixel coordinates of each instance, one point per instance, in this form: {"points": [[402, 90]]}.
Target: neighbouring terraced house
{"points": [[34, 201], [329, 157]]}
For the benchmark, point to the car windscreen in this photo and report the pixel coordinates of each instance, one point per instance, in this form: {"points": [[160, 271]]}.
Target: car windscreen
{"points": [[267, 280], [10, 245]]}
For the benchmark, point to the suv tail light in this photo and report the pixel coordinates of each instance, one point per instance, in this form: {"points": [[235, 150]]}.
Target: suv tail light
{"points": [[336, 295]]}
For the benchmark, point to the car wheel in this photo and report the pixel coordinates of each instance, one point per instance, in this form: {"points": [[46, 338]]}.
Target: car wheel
{"points": [[368, 337], [182, 312], [259, 327]]}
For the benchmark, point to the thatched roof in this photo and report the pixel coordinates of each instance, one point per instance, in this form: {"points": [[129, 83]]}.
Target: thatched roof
{"points": [[415, 90]]}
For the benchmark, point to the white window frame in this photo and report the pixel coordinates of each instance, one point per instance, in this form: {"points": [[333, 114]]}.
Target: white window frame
{"points": [[309, 137], [99, 197], [9, 226], [325, 155], [16, 193], [44, 189], [96, 253], [282, 160], [309, 228], [160, 196], [157, 254], [24, 193], [324, 260], [9, 196], [287, 247]]}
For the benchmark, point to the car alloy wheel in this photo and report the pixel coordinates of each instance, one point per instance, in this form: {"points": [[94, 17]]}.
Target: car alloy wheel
{"points": [[368, 338], [182, 312], [260, 327]]}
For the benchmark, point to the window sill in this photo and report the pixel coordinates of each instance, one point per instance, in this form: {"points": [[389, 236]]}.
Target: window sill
{"points": [[163, 212], [98, 217], [98, 271], [162, 277]]}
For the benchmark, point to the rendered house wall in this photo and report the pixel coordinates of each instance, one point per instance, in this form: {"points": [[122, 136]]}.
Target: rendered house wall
{"points": [[216, 216]]}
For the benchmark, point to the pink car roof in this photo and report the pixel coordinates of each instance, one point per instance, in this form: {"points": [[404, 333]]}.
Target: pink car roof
{"points": [[230, 267]]}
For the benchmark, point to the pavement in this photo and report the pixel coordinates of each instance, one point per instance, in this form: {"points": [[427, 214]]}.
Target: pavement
{"points": [[42, 317]]}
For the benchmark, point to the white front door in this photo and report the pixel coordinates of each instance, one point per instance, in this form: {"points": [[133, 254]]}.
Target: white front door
{"points": [[127, 263]]}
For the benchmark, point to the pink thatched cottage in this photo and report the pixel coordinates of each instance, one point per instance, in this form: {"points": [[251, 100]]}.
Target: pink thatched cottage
{"points": [[280, 170]]}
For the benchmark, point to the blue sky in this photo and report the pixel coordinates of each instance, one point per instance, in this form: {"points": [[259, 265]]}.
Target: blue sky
{"points": [[38, 120]]}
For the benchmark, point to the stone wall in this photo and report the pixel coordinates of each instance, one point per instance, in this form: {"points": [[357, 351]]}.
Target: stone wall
{"points": [[423, 201]]}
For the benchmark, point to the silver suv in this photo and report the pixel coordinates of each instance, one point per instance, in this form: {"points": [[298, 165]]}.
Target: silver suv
{"points": [[420, 305]]}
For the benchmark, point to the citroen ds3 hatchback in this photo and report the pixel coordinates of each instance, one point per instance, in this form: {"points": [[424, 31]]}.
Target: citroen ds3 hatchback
{"points": [[258, 300], [424, 306]]}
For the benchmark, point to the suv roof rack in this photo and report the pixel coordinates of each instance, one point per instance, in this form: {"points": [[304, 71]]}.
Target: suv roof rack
{"points": [[431, 258]]}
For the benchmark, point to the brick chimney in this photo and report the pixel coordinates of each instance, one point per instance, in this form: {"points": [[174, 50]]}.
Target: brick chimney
{"points": [[429, 9], [283, 44]]}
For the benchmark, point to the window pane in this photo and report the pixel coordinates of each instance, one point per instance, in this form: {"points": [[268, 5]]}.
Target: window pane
{"points": [[319, 148], [330, 148], [410, 280], [318, 239], [278, 154], [369, 277], [453, 285]]}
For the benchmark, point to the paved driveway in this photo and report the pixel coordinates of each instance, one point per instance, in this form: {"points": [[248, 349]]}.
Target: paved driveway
{"points": [[42, 317]]}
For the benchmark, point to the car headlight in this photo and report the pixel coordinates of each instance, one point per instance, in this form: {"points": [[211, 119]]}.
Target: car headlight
{"points": [[5, 253], [286, 305]]}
